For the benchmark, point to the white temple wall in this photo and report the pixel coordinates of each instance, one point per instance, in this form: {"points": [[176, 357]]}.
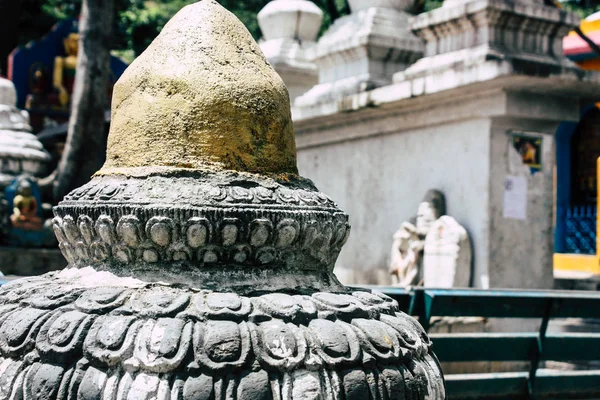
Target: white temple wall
{"points": [[381, 179], [377, 164]]}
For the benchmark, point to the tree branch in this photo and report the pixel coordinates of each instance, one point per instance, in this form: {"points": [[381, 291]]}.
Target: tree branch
{"points": [[86, 139], [595, 48]]}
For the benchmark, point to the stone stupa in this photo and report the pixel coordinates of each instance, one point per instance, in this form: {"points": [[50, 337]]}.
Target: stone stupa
{"points": [[200, 263], [20, 151]]}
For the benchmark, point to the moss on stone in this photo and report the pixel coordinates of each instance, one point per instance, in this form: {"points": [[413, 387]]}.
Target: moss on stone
{"points": [[202, 96]]}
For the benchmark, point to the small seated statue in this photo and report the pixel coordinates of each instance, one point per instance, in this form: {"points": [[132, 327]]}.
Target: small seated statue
{"points": [[24, 220], [25, 209]]}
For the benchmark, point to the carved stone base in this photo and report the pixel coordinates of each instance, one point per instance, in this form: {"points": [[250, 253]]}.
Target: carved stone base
{"points": [[88, 334]]}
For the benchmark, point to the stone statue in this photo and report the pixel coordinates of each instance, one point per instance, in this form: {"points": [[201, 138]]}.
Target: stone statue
{"points": [[64, 70], [447, 255], [409, 241], [25, 209], [200, 262], [29, 223]]}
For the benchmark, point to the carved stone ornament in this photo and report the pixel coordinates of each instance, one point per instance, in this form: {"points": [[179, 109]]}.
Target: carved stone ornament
{"points": [[200, 263]]}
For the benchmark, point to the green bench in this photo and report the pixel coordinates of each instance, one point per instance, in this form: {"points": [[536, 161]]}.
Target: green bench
{"points": [[533, 347]]}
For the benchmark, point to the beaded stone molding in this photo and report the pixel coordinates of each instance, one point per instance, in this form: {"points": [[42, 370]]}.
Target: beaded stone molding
{"points": [[202, 238], [117, 342]]}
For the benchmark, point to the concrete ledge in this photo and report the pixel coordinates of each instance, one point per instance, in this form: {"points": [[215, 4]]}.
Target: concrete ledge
{"points": [[26, 261]]}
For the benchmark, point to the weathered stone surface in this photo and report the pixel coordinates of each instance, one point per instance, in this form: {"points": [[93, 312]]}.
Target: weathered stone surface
{"points": [[202, 95], [270, 232], [100, 341]]}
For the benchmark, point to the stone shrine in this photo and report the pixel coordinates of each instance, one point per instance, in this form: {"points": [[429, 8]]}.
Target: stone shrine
{"points": [[20, 151], [290, 29], [200, 263], [362, 51]]}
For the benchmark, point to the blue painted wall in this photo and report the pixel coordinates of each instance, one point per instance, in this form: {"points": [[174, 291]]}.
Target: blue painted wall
{"points": [[564, 136]]}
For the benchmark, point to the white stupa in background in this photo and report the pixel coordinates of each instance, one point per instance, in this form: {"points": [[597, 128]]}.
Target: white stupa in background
{"points": [[20, 150], [290, 29]]}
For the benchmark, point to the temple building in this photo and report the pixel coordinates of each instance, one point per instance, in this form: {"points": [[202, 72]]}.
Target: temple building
{"points": [[477, 99]]}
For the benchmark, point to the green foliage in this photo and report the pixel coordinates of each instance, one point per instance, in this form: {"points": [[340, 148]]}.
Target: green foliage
{"points": [[139, 21], [143, 20], [432, 5], [58, 9], [583, 9]]}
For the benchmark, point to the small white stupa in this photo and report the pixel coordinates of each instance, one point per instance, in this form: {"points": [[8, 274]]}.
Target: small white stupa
{"points": [[20, 151], [290, 29]]}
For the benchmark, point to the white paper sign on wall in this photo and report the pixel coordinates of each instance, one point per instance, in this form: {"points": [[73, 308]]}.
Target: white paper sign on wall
{"points": [[515, 197]]}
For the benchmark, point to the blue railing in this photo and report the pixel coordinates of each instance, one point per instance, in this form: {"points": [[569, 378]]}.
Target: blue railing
{"points": [[581, 229]]}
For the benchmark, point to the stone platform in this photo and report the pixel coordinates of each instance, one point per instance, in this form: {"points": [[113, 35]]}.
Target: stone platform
{"points": [[27, 262]]}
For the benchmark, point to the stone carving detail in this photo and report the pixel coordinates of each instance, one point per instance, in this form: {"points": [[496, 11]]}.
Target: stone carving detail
{"points": [[199, 190], [117, 341], [207, 240], [198, 229]]}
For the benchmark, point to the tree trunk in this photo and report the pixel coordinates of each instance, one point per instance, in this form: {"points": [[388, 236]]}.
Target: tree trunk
{"points": [[10, 11], [86, 140]]}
